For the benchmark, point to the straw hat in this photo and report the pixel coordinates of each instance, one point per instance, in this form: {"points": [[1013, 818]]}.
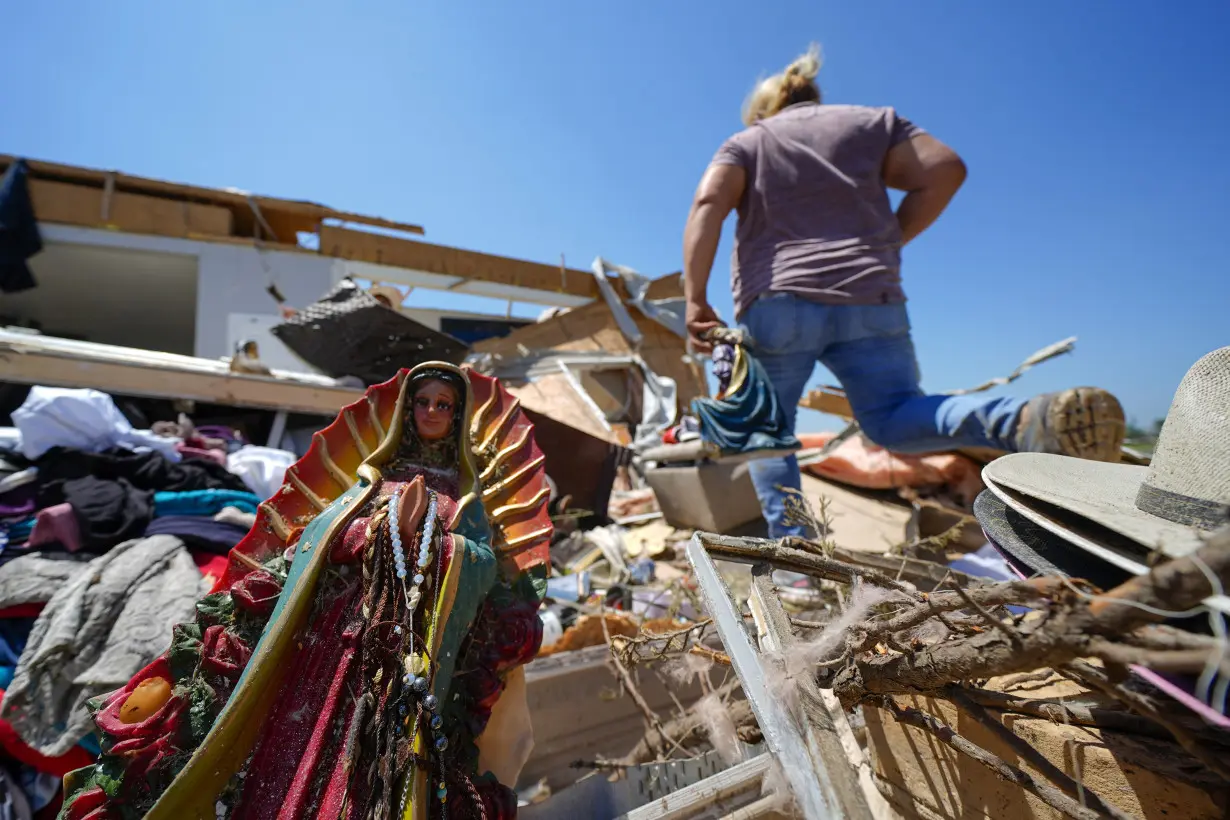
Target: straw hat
{"points": [[1166, 506], [395, 296]]}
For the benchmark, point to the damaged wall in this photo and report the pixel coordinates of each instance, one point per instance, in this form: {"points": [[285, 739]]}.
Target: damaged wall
{"points": [[592, 328]]}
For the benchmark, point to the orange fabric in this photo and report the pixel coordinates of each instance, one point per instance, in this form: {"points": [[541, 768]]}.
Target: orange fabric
{"points": [[860, 463]]}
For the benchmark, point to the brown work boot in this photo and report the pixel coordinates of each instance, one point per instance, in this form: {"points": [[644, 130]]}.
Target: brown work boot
{"points": [[1084, 422]]}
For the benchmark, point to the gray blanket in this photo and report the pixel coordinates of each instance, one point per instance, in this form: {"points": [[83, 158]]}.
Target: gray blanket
{"points": [[104, 622]]}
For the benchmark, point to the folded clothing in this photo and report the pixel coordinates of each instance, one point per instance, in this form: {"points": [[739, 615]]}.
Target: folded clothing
{"points": [[203, 502], [21, 500], [56, 525], [202, 453], [144, 471], [199, 532], [58, 765], [33, 579], [14, 633], [107, 512]]}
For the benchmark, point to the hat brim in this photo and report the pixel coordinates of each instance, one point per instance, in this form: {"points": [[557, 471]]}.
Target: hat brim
{"points": [[1038, 549], [1101, 492], [1087, 536]]}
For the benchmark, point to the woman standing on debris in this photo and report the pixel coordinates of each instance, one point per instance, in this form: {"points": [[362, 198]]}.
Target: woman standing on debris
{"points": [[816, 276]]}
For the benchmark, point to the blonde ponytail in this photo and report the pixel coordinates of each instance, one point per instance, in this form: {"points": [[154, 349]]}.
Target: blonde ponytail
{"points": [[794, 85]]}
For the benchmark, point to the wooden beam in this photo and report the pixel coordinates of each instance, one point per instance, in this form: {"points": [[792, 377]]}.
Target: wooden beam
{"points": [[830, 400], [131, 213], [666, 287], [285, 216], [33, 359], [361, 246]]}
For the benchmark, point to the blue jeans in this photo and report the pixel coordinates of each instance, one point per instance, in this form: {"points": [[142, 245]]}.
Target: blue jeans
{"points": [[869, 349]]}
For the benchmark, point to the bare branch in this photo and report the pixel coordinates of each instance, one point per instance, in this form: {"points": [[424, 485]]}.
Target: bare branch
{"points": [[630, 687], [1077, 713], [1191, 661], [1097, 679], [1013, 592], [987, 616]]}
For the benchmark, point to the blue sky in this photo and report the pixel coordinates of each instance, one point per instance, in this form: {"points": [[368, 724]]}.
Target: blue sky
{"points": [[1094, 133]]}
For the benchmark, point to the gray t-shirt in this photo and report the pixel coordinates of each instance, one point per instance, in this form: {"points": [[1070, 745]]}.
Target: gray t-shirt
{"points": [[815, 218]]}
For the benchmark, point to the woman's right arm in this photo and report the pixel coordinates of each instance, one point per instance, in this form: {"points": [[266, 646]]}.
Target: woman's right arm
{"points": [[930, 173]]}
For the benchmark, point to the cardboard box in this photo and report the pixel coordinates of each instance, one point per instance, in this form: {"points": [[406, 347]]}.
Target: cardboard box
{"points": [[715, 496]]}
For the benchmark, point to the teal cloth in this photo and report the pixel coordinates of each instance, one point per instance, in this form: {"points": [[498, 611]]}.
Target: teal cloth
{"points": [[19, 531], [90, 744], [203, 502]]}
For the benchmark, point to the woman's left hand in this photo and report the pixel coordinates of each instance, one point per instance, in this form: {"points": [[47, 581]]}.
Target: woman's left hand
{"points": [[701, 318]]}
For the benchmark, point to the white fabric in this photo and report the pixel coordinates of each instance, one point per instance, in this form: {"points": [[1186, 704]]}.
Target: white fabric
{"points": [[986, 562], [10, 440], [262, 468], [659, 407], [80, 420]]}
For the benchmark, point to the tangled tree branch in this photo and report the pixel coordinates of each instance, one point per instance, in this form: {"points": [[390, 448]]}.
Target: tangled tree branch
{"points": [[1070, 625]]}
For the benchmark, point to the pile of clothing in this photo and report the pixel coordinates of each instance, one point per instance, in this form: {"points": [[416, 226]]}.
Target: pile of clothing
{"points": [[108, 537]]}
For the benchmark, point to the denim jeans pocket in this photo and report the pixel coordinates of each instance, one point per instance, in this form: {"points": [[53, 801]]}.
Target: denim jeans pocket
{"points": [[877, 321], [773, 323]]}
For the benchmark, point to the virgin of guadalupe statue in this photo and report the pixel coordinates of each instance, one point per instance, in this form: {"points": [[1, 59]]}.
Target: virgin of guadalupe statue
{"points": [[362, 656]]}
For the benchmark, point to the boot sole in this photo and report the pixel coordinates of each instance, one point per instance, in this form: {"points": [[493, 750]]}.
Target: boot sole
{"points": [[1087, 423]]}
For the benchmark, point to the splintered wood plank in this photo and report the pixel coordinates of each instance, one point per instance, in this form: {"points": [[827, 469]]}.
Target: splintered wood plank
{"points": [[553, 395], [829, 400], [592, 328]]}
